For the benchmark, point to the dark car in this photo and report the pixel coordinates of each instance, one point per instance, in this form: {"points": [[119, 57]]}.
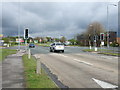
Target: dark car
{"points": [[31, 45]]}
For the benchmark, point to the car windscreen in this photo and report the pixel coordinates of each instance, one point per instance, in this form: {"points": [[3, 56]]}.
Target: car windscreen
{"points": [[32, 44], [59, 44]]}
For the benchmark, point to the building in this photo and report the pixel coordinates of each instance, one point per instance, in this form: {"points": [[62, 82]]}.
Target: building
{"points": [[112, 36], [118, 40]]}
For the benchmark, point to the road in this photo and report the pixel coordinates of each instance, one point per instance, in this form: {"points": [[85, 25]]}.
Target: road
{"points": [[78, 69]]}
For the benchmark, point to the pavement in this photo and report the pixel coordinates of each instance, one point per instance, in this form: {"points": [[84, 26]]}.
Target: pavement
{"points": [[13, 71]]}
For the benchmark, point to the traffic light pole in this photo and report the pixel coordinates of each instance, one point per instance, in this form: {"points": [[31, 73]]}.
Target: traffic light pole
{"points": [[95, 43], [26, 43], [90, 44], [90, 41]]}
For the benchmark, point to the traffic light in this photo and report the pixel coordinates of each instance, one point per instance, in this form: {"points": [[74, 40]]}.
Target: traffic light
{"points": [[102, 36], [26, 32]]}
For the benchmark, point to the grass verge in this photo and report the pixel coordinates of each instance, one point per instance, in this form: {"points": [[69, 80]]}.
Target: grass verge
{"points": [[113, 54], [34, 80], [92, 50], [5, 52], [44, 45]]}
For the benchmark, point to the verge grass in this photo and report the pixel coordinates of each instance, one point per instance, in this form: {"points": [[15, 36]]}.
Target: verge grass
{"points": [[114, 54], [34, 80], [5, 52], [44, 45], [92, 50]]}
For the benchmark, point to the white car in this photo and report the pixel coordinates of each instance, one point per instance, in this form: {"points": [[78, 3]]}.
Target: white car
{"points": [[57, 46]]}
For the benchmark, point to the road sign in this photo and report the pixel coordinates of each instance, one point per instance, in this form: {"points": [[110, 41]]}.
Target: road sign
{"points": [[94, 40], [40, 40], [102, 43]]}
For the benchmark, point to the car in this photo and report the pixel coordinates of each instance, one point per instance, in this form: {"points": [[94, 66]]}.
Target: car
{"points": [[57, 46], [5, 44], [31, 45]]}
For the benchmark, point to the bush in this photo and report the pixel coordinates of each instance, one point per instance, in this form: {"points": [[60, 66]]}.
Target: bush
{"points": [[114, 44]]}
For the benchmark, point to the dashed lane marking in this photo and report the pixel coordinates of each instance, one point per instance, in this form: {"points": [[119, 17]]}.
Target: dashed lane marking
{"points": [[73, 59], [83, 62]]}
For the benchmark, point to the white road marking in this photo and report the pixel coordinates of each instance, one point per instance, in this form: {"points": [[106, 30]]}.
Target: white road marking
{"points": [[83, 62], [116, 57], [53, 54], [73, 59], [58, 54], [104, 84], [77, 60], [63, 55], [104, 57]]}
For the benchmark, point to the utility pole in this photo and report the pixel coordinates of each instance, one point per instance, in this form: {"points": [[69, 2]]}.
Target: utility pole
{"points": [[19, 28]]}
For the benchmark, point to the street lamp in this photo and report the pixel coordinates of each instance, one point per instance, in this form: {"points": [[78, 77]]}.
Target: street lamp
{"points": [[19, 12], [108, 23]]}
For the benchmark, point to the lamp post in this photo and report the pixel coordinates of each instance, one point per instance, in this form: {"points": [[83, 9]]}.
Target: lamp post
{"points": [[19, 11], [108, 23]]}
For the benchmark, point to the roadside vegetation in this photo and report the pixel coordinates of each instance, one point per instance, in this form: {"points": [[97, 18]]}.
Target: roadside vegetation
{"points": [[113, 54], [34, 80], [102, 51], [92, 50], [5, 52], [44, 45]]}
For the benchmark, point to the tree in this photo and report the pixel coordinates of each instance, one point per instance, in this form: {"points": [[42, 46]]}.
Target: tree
{"points": [[73, 41], [81, 39], [63, 39], [93, 32], [6, 40], [95, 28]]}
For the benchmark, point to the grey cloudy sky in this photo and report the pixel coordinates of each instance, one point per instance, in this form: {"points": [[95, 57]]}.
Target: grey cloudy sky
{"points": [[55, 18]]}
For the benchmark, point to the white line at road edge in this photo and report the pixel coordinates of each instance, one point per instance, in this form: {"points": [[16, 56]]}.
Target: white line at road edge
{"points": [[63, 55], [58, 54], [104, 84], [83, 62]]}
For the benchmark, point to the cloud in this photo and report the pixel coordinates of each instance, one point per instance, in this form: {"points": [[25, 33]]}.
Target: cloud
{"points": [[53, 18]]}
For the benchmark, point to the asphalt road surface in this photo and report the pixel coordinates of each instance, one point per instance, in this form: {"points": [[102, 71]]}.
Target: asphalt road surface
{"points": [[78, 69]]}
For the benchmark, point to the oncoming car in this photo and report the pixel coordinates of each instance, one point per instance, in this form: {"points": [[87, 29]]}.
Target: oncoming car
{"points": [[57, 46], [31, 45]]}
